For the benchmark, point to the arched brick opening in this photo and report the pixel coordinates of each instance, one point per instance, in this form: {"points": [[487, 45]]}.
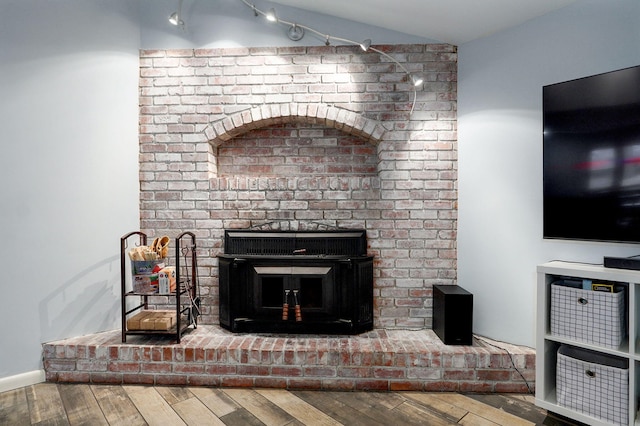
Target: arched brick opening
{"points": [[244, 122]]}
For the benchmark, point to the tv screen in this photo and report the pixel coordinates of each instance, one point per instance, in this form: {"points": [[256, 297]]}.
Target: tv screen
{"points": [[591, 157]]}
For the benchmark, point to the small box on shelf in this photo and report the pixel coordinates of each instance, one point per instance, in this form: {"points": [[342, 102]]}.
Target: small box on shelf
{"points": [[152, 320], [167, 280], [146, 274], [142, 284]]}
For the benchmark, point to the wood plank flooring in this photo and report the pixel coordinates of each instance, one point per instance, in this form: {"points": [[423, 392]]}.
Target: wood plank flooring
{"points": [[81, 404]]}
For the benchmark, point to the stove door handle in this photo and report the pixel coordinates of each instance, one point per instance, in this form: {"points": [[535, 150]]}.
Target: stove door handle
{"points": [[238, 261], [348, 262]]}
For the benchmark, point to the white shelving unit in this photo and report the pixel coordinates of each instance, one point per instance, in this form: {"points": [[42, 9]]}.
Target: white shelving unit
{"points": [[547, 344]]}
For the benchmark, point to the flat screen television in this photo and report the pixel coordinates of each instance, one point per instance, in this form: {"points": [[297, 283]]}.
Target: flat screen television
{"points": [[591, 157]]}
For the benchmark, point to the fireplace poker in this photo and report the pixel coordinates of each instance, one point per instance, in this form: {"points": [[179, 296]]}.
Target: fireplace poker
{"points": [[297, 309], [285, 306]]}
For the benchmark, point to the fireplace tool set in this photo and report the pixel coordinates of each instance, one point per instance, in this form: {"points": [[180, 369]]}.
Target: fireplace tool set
{"points": [[190, 284]]}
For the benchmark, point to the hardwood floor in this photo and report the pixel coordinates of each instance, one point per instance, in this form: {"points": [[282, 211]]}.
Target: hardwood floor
{"points": [[80, 404]]}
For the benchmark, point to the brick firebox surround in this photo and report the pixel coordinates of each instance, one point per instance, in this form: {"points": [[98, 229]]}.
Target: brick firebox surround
{"points": [[301, 138]]}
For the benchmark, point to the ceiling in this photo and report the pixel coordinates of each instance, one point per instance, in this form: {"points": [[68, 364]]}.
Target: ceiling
{"points": [[448, 21]]}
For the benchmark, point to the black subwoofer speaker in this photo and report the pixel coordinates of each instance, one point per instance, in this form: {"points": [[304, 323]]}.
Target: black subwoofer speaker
{"points": [[453, 314]]}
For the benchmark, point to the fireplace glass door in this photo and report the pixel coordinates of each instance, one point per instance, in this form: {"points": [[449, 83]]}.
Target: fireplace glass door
{"points": [[309, 289]]}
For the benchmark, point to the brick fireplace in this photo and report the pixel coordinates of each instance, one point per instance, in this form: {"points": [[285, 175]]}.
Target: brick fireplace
{"points": [[300, 136], [295, 139]]}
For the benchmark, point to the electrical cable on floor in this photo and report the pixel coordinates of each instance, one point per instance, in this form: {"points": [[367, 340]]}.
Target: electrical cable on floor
{"points": [[482, 339]]}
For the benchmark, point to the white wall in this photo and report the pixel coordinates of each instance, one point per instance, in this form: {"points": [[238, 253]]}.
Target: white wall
{"points": [[500, 142], [69, 169]]}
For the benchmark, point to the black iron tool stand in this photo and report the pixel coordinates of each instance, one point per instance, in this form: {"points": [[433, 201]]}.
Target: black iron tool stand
{"points": [[186, 295]]}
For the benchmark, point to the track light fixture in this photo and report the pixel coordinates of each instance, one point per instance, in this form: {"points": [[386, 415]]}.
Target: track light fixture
{"points": [[271, 15], [296, 32], [176, 17]]}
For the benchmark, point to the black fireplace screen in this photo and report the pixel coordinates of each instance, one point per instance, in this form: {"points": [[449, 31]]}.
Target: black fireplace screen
{"points": [[308, 286], [296, 282]]}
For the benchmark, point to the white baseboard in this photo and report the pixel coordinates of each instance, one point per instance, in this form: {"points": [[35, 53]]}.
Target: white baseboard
{"points": [[21, 380]]}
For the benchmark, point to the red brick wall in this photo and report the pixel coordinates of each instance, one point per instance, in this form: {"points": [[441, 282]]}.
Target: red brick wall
{"points": [[235, 138]]}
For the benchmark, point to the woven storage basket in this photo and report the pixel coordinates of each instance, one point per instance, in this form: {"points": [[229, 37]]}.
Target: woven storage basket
{"points": [[588, 316], [593, 384]]}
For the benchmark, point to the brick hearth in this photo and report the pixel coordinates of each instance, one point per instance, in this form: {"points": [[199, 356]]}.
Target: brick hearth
{"points": [[210, 356]]}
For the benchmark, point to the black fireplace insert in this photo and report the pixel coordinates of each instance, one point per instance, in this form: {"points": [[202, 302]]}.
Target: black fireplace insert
{"points": [[296, 282]]}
